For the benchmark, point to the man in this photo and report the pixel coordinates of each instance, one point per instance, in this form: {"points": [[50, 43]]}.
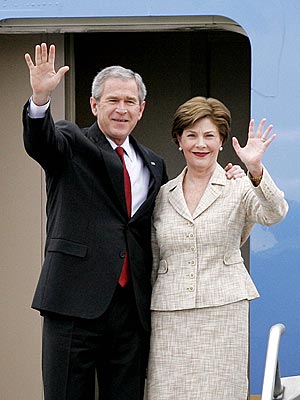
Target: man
{"points": [[94, 289], [91, 321]]}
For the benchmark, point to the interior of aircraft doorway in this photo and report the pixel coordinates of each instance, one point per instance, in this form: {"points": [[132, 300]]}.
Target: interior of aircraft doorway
{"points": [[175, 66]]}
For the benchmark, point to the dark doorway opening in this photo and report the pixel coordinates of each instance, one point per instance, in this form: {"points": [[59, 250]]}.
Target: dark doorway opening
{"points": [[174, 66]]}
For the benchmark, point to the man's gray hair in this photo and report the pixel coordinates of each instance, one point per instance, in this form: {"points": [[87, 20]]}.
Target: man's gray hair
{"points": [[119, 72]]}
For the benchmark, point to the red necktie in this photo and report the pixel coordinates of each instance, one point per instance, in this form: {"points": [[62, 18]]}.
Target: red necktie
{"points": [[124, 277]]}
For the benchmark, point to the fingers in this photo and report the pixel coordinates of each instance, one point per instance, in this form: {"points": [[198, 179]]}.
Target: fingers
{"points": [[264, 136], [41, 55], [267, 141], [63, 70], [37, 55], [260, 133], [251, 128], [52, 54], [260, 127], [236, 144], [28, 60], [44, 53], [228, 167], [234, 172]]}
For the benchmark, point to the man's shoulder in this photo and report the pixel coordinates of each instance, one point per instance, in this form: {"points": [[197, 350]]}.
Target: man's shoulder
{"points": [[72, 130], [149, 152], [64, 124]]}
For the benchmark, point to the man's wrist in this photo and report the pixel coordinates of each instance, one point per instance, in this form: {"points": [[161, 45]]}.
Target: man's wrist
{"points": [[37, 111]]}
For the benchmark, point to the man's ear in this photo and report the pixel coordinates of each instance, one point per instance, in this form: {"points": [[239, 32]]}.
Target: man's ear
{"points": [[93, 104], [142, 108]]}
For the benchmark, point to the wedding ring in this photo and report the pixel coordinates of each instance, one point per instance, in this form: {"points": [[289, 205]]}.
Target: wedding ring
{"points": [[263, 140]]}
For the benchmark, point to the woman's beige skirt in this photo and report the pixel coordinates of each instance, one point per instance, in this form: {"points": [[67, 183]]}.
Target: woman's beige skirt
{"points": [[199, 354]]}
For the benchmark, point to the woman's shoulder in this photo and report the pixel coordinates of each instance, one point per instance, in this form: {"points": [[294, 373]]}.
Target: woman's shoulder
{"points": [[174, 182]]}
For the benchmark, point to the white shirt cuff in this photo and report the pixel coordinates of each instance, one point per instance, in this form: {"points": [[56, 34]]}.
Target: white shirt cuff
{"points": [[35, 111]]}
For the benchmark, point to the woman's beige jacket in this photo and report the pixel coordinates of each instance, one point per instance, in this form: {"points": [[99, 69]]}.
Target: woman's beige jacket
{"points": [[197, 260]]}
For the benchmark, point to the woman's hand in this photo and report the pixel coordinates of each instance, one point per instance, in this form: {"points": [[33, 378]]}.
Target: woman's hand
{"points": [[257, 143]]}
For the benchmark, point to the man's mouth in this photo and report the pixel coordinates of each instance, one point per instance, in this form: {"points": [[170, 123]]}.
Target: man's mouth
{"points": [[120, 120]]}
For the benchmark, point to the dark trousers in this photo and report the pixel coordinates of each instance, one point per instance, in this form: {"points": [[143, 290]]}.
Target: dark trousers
{"points": [[114, 346]]}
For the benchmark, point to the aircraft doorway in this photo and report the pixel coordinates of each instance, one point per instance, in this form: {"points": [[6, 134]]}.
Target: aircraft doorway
{"points": [[174, 66]]}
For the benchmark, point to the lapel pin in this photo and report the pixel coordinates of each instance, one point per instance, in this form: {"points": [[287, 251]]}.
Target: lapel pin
{"points": [[152, 163]]}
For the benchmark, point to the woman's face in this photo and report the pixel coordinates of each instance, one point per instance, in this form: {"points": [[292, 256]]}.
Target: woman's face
{"points": [[201, 144]]}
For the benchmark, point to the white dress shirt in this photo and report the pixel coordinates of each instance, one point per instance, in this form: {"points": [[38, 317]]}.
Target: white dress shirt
{"points": [[138, 172]]}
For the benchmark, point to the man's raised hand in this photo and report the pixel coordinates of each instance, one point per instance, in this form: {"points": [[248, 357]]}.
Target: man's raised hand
{"points": [[43, 77]]}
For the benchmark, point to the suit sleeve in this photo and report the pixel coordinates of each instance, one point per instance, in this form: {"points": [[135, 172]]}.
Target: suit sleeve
{"points": [[46, 142]]}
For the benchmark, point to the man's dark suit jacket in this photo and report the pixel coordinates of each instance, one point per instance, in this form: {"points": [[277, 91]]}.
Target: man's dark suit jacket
{"points": [[88, 229]]}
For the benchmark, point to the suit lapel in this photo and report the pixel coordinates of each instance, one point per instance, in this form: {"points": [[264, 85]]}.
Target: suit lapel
{"points": [[176, 197], [113, 166], [212, 192], [155, 176]]}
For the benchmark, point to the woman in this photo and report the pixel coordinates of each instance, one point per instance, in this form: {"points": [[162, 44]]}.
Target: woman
{"points": [[201, 288]]}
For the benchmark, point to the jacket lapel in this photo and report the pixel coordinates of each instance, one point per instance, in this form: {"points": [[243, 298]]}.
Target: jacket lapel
{"points": [[176, 197], [212, 192], [113, 166], [155, 176]]}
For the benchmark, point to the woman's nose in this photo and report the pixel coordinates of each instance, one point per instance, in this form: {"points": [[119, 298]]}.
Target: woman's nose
{"points": [[200, 143]]}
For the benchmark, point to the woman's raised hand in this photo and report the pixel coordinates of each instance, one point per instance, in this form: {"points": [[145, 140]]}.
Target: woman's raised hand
{"points": [[257, 143]]}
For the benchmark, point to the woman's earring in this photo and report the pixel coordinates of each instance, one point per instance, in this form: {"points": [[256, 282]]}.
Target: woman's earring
{"points": [[221, 148], [180, 148]]}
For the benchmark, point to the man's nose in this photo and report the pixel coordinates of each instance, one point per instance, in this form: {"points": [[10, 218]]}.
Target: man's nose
{"points": [[121, 108]]}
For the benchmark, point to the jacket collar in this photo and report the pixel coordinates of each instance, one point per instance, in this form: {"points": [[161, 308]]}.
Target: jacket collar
{"points": [[212, 192]]}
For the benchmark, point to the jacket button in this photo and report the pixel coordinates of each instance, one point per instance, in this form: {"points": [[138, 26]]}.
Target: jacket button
{"points": [[190, 289]]}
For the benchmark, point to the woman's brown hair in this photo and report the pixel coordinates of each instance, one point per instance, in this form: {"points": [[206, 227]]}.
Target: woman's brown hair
{"points": [[200, 107]]}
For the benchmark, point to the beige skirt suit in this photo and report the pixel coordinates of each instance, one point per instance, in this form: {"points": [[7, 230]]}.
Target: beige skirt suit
{"points": [[201, 288]]}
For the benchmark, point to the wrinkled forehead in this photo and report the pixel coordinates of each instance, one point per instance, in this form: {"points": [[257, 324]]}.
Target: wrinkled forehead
{"points": [[120, 88]]}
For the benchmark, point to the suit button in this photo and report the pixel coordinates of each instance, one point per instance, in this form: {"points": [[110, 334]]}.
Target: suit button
{"points": [[122, 254]]}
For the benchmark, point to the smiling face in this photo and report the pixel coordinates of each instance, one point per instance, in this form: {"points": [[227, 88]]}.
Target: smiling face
{"points": [[201, 144], [118, 110]]}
